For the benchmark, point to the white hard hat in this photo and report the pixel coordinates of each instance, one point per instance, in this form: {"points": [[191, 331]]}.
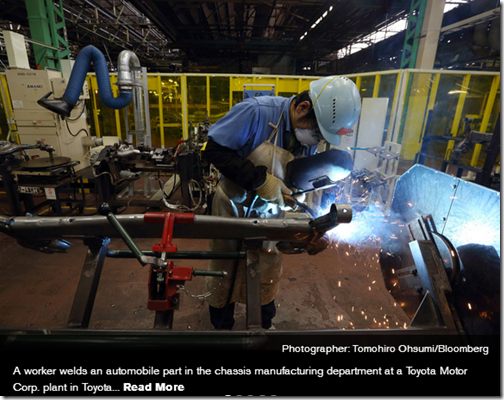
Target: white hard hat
{"points": [[337, 106]]}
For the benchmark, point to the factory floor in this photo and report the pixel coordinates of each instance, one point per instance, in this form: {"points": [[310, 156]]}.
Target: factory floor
{"points": [[340, 288]]}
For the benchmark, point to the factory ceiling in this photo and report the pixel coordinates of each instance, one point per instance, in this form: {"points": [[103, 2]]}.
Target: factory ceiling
{"points": [[218, 36], [235, 36]]}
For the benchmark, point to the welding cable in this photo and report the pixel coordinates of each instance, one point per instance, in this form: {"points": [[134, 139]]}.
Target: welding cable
{"points": [[162, 184], [247, 215], [307, 209], [183, 207], [75, 134], [195, 182], [80, 114], [165, 196]]}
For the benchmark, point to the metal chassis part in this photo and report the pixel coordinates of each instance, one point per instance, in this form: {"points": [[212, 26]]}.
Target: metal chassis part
{"points": [[99, 231]]}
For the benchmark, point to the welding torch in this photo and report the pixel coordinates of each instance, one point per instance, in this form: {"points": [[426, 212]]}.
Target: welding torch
{"points": [[292, 202]]}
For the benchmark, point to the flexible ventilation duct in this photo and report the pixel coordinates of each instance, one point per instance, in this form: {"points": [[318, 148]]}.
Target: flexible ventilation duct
{"points": [[128, 76]]}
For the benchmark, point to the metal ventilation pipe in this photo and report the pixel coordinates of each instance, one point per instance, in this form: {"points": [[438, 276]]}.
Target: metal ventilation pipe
{"points": [[130, 73]]}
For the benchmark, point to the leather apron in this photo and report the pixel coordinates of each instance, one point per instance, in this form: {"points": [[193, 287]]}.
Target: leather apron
{"points": [[231, 200]]}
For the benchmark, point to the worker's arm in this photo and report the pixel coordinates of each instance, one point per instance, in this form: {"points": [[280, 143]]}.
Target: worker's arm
{"points": [[240, 171]]}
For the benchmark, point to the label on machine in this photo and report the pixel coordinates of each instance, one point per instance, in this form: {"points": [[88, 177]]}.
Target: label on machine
{"points": [[50, 193], [29, 190]]}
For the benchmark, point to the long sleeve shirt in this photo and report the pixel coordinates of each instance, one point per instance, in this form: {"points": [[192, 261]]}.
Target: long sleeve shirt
{"points": [[242, 130]]}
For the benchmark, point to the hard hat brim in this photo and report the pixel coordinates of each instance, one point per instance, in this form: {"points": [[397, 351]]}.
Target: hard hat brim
{"points": [[333, 139]]}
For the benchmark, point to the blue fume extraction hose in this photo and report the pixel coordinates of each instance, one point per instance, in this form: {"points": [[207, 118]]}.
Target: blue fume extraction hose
{"points": [[79, 72]]}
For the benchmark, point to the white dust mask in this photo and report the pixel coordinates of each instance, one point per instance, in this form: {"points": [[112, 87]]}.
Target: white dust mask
{"points": [[307, 137]]}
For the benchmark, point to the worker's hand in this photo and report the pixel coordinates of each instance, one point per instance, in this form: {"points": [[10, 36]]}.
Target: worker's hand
{"points": [[312, 248], [300, 197], [319, 246], [272, 190]]}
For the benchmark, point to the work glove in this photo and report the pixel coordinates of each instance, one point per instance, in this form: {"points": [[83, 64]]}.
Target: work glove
{"points": [[312, 248], [272, 190], [300, 197]]}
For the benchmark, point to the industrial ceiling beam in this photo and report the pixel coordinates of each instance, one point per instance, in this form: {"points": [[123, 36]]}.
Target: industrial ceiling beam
{"points": [[251, 2], [152, 11]]}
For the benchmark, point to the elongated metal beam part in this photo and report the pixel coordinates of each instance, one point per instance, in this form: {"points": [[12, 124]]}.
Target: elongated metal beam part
{"points": [[203, 227]]}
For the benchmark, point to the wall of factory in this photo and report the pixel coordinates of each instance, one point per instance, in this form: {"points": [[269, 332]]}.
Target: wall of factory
{"points": [[437, 103], [420, 103]]}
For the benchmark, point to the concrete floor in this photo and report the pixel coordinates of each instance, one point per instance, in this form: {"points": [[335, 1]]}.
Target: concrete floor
{"points": [[340, 288]]}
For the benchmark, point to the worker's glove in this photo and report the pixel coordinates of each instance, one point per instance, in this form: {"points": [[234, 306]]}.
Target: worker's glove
{"points": [[272, 190], [300, 197], [320, 245], [312, 248]]}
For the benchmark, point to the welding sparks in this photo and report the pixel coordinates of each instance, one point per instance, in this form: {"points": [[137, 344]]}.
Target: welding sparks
{"points": [[371, 230], [478, 232], [368, 229]]}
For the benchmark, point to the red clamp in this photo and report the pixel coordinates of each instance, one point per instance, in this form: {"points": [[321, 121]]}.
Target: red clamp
{"points": [[169, 220], [163, 294]]}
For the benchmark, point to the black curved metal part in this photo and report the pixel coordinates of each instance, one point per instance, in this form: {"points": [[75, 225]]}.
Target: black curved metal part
{"points": [[338, 214]]}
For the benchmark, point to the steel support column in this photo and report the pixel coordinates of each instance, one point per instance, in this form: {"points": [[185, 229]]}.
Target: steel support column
{"points": [[47, 25], [254, 317], [429, 36], [88, 283]]}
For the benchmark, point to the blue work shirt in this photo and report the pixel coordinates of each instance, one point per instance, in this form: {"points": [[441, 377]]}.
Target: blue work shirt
{"points": [[246, 125]]}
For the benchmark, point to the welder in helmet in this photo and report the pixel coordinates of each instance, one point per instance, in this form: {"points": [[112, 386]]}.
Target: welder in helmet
{"points": [[240, 147]]}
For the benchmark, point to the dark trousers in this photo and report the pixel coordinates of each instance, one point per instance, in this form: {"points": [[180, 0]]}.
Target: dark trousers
{"points": [[223, 318]]}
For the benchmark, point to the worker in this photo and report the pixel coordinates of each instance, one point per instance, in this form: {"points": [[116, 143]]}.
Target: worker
{"points": [[250, 146]]}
